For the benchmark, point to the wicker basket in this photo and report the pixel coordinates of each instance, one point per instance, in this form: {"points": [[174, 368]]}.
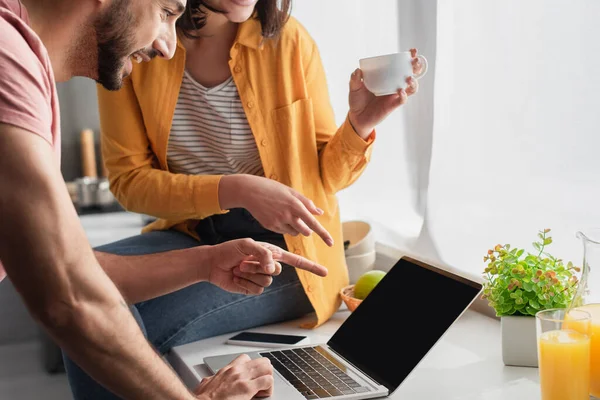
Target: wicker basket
{"points": [[347, 295]]}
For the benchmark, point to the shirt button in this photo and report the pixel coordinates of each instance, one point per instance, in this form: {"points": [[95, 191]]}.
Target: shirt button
{"points": [[309, 289], [296, 251], [264, 142], [237, 69], [250, 104], [237, 46], [274, 177]]}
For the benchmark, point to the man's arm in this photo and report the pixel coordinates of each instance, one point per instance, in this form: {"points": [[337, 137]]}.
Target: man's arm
{"points": [[238, 266], [48, 259], [144, 277]]}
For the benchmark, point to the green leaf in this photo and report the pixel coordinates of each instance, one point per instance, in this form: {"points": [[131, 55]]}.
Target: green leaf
{"points": [[547, 241], [528, 286], [534, 304], [531, 261], [530, 310], [520, 252], [509, 260], [507, 309], [541, 298], [530, 296], [537, 246]]}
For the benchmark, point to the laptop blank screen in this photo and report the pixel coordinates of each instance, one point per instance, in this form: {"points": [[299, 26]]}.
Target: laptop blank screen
{"points": [[402, 319]]}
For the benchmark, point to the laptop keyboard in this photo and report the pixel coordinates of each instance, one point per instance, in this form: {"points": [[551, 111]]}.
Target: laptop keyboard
{"points": [[313, 372]]}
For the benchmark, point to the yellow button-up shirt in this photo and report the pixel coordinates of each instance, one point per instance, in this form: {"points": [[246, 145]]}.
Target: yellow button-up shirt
{"points": [[282, 86]]}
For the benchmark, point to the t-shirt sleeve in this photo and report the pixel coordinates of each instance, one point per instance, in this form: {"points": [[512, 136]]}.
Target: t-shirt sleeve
{"points": [[25, 87]]}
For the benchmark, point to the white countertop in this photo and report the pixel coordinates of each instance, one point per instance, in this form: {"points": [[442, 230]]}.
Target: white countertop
{"points": [[103, 228], [465, 364]]}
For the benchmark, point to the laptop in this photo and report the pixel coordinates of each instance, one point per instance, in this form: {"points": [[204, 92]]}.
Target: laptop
{"points": [[379, 344]]}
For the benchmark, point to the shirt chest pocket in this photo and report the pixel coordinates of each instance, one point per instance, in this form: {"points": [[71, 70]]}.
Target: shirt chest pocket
{"points": [[296, 141]]}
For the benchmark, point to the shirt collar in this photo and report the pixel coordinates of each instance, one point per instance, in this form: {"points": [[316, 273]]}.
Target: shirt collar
{"points": [[250, 34]]}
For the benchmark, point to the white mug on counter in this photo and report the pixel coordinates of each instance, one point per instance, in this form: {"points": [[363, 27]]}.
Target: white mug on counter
{"points": [[359, 265], [386, 74], [359, 243]]}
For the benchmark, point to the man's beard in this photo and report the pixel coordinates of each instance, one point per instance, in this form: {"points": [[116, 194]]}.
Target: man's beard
{"points": [[115, 30]]}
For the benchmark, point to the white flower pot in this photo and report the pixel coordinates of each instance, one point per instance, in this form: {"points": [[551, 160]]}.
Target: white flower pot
{"points": [[519, 341]]}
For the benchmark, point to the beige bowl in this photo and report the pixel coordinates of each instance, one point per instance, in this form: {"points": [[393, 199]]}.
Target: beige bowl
{"points": [[361, 238]]}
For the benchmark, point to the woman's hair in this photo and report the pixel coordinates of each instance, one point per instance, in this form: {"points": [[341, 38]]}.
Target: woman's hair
{"points": [[272, 15]]}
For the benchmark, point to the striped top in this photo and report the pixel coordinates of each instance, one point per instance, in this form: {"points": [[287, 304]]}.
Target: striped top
{"points": [[210, 134]]}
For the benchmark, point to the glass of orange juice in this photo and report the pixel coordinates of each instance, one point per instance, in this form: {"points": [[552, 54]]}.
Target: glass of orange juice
{"points": [[564, 347], [594, 310]]}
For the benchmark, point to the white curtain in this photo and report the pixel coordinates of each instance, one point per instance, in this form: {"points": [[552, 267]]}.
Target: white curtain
{"points": [[516, 123]]}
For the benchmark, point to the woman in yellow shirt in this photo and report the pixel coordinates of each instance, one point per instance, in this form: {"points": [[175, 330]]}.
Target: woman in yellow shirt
{"points": [[236, 137]]}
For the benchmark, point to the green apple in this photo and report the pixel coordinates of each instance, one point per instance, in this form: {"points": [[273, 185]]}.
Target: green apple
{"points": [[367, 282]]}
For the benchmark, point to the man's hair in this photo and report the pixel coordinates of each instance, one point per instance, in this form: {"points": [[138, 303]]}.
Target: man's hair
{"points": [[272, 15]]}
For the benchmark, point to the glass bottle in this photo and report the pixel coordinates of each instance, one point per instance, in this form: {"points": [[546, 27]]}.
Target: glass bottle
{"points": [[587, 297]]}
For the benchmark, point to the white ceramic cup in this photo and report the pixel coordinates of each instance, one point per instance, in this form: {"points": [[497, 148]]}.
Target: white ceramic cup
{"points": [[387, 74], [358, 265]]}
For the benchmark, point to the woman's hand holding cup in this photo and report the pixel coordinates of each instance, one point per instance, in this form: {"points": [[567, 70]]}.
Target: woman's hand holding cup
{"points": [[381, 85]]}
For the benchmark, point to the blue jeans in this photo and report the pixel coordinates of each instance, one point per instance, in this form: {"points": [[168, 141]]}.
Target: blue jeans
{"points": [[202, 310]]}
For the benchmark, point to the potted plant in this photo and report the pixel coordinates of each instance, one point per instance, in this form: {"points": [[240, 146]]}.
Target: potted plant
{"points": [[517, 285]]}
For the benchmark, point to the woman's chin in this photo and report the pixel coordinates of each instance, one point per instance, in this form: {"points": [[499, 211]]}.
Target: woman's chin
{"points": [[240, 16], [245, 3]]}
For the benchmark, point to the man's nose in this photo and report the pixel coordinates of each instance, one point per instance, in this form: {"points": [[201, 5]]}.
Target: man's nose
{"points": [[166, 44]]}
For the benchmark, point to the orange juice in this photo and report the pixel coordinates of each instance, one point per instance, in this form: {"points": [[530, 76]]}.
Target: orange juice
{"points": [[594, 310], [564, 364]]}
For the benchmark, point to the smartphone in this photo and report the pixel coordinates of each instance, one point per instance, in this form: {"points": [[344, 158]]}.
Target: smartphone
{"points": [[261, 339]]}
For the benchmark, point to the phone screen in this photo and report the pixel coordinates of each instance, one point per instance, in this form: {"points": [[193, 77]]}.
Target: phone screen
{"points": [[267, 338]]}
